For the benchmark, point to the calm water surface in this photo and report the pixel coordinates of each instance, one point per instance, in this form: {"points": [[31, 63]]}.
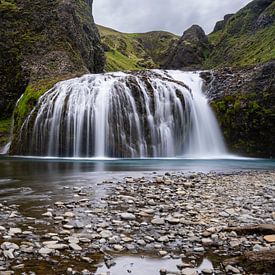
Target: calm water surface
{"points": [[44, 178]]}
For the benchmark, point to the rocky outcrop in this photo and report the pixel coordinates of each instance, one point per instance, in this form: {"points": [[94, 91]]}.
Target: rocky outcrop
{"points": [[244, 101], [42, 42], [191, 50], [220, 25]]}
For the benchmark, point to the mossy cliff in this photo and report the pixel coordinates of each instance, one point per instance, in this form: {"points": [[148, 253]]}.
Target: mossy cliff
{"points": [[42, 42], [244, 101], [241, 39], [244, 38]]}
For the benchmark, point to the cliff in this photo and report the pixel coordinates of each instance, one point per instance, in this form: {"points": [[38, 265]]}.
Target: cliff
{"points": [[244, 102], [42, 42]]}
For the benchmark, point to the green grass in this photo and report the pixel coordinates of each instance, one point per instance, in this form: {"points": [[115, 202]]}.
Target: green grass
{"points": [[135, 51], [240, 43], [118, 61]]}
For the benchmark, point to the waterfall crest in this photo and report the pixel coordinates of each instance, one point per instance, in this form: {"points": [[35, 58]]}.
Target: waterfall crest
{"points": [[139, 114]]}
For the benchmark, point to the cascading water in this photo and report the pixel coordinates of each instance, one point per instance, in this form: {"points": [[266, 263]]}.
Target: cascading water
{"points": [[142, 114]]}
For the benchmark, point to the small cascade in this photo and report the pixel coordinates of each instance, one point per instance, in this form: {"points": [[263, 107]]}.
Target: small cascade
{"points": [[5, 149], [125, 115]]}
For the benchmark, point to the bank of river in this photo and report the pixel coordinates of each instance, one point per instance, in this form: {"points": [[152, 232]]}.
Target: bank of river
{"points": [[163, 222]]}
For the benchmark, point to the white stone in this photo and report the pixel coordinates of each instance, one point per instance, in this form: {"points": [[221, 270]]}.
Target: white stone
{"points": [[75, 247], [45, 251]]}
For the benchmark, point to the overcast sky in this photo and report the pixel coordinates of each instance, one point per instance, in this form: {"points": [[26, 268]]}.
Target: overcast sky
{"points": [[169, 15]]}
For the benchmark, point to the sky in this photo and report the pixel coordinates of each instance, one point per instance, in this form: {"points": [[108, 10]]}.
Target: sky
{"points": [[168, 15]]}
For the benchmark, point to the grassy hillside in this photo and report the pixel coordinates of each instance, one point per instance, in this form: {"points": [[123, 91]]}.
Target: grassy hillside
{"points": [[135, 51], [247, 38]]}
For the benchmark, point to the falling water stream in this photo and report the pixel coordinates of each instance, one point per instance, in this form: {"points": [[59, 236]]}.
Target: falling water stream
{"points": [[124, 115]]}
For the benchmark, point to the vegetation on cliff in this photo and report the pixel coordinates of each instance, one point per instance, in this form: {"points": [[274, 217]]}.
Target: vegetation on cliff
{"points": [[125, 51], [244, 102], [42, 42], [245, 38]]}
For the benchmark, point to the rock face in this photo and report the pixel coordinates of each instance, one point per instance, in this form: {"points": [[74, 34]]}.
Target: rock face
{"points": [[221, 24], [244, 101], [42, 42], [191, 50]]}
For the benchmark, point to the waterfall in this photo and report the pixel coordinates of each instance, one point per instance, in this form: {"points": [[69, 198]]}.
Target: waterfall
{"points": [[139, 114]]}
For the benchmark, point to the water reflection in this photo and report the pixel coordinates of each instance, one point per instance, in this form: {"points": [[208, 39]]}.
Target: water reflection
{"points": [[47, 177]]}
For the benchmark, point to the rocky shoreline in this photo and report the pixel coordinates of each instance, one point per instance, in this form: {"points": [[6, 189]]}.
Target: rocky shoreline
{"points": [[176, 215]]}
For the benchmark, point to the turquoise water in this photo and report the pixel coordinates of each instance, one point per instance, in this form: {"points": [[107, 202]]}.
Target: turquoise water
{"points": [[43, 179]]}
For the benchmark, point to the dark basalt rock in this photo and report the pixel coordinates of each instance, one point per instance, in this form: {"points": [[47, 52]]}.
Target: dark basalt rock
{"points": [[221, 24], [190, 51], [43, 41], [244, 102]]}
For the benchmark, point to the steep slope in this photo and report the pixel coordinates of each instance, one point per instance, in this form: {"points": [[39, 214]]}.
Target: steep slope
{"points": [[244, 102], [125, 51], [191, 50], [42, 42], [245, 38]]}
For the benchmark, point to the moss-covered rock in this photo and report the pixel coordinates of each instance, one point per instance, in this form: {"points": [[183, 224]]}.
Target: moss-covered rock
{"points": [[41, 41], [244, 102]]}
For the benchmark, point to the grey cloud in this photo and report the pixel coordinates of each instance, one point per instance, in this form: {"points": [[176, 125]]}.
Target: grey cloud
{"points": [[170, 15]]}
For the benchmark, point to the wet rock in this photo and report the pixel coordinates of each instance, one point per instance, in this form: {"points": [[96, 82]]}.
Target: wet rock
{"points": [[189, 271], [163, 253], [118, 247], [158, 221], [127, 216], [8, 246], [106, 234], [47, 214], [207, 271], [14, 231], [75, 247], [45, 251], [69, 214], [230, 268]]}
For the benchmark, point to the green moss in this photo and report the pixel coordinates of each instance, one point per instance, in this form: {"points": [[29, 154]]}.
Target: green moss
{"points": [[245, 119], [8, 6], [30, 97], [5, 129], [5, 125]]}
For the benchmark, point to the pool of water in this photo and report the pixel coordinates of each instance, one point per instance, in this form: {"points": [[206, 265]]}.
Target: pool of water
{"points": [[42, 179]]}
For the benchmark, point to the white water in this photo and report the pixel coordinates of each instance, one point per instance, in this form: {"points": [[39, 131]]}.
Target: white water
{"points": [[5, 149], [147, 114], [205, 139]]}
